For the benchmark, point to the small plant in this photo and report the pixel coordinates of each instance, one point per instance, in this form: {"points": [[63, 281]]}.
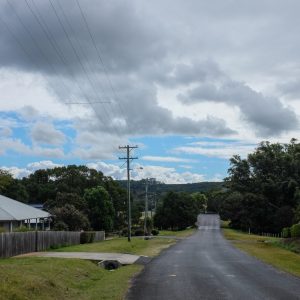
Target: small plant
{"points": [[2, 229], [23, 229], [295, 230], [87, 237], [286, 232], [155, 232], [139, 232]]}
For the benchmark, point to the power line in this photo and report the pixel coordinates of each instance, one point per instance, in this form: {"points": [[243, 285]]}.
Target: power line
{"points": [[99, 57], [51, 40], [77, 55]]}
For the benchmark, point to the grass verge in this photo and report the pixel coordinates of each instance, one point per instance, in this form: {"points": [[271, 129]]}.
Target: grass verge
{"points": [[265, 249], [179, 233], [138, 246], [51, 278]]}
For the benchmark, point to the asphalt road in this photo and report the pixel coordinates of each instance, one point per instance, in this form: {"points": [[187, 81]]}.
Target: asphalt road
{"points": [[206, 266]]}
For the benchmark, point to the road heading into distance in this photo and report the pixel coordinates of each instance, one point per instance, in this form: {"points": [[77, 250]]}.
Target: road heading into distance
{"points": [[206, 266]]}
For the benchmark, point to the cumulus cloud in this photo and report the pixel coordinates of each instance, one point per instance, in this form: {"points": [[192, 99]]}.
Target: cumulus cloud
{"points": [[165, 159], [131, 48], [139, 172], [267, 114], [30, 168], [46, 133], [223, 150]]}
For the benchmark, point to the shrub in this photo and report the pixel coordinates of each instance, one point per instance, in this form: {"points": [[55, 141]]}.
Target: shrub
{"points": [[23, 229], [87, 237], [124, 232], [286, 232], [155, 232], [139, 232], [60, 226], [295, 230]]}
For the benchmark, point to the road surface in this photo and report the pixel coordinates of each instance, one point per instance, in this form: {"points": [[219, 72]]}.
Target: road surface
{"points": [[206, 266]]}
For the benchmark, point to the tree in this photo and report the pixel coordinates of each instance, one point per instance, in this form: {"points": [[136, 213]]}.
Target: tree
{"points": [[263, 189], [100, 208], [177, 211], [68, 217], [200, 201]]}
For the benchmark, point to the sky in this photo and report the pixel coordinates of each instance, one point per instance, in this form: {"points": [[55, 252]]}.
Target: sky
{"points": [[191, 83]]}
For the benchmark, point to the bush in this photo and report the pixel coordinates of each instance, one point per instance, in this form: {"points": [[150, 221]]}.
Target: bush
{"points": [[87, 237], [60, 226], [124, 232], [155, 232], [295, 230], [286, 232], [139, 232], [23, 229]]}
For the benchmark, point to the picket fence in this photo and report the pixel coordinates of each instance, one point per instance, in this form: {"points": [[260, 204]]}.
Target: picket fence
{"points": [[16, 243]]}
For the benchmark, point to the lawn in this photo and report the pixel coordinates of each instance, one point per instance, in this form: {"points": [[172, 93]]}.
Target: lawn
{"points": [[266, 249], [178, 233], [138, 246], [51, 278]]}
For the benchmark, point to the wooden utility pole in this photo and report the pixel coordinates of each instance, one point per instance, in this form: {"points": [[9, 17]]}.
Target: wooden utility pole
{"points": [[128, 159]]}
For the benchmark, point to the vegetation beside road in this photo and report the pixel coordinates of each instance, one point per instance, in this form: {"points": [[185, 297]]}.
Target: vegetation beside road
{"points": [[267, 249], [138, 246], [178, 233], [50, 278]]}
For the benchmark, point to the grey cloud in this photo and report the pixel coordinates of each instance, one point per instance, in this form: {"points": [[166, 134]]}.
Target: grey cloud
{"points": [[291, 89], [45, 133], [267, 114], [146, 43]]}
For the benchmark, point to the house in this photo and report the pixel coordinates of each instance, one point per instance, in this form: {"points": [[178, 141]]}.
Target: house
{"points": [[15, 214]]}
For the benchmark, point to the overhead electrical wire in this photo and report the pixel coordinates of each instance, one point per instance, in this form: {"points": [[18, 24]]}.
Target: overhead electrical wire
{"points": [[100, 58], [78, 58], [60, 54]]}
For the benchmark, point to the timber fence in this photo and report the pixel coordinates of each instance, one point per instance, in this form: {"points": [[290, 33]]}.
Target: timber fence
{"points": [[16, 243]]}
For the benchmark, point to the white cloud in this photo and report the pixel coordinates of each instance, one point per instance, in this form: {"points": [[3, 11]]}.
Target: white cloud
{"points": [[6, 132], [30, 168], [17, 172], [223, 150], [165, 159], [44, 164]]}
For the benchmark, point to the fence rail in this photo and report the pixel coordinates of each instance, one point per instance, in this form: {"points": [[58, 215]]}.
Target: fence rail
{"points": [[15, 243]]}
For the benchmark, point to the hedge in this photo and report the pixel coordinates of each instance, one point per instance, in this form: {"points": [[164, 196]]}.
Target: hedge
{"points": [[286, 232], [87, 237], [295, 230]]}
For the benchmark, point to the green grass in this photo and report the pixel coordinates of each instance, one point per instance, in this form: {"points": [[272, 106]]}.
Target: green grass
{"points": [[137, 246], [178, 233], [50, 278], [265, 249]]}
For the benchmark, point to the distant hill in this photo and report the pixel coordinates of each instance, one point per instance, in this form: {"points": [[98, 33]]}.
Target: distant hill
{"points": [[138, 187]]}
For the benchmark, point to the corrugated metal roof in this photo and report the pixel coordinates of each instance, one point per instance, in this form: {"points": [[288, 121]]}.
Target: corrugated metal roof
{"points": [[14, 210]]}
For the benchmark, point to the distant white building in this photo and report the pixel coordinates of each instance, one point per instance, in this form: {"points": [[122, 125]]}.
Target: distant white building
{"points": [[15, 214]]}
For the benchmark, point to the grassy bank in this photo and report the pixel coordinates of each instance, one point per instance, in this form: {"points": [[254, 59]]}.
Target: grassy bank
{"points": [[50, 278], [179, 233], [137, 246], [266, 249]]}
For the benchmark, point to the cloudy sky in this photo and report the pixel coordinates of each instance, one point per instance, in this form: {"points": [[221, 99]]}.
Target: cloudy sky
{"points": [[190, 82]]}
